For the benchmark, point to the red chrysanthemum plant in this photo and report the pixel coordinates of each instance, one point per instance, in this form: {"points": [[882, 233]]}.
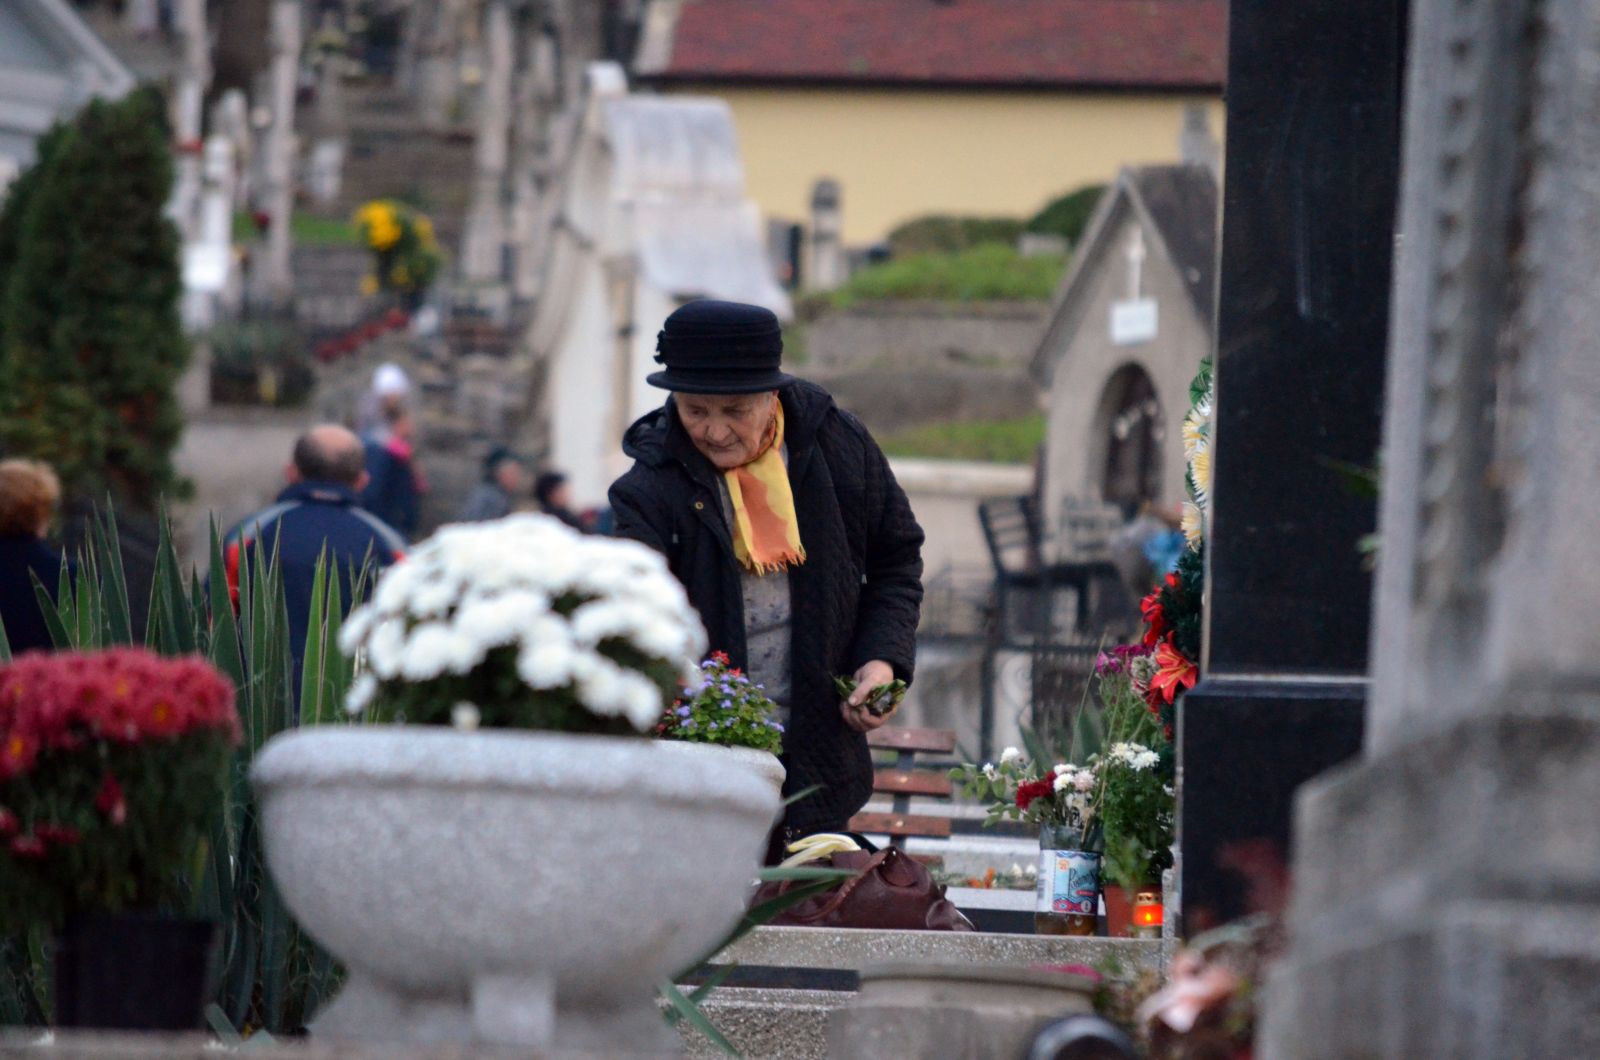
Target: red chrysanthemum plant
{"points": [[111, 763]]}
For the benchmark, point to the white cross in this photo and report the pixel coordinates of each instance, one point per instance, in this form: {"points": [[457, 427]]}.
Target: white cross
{"points": [[1135, 261]]}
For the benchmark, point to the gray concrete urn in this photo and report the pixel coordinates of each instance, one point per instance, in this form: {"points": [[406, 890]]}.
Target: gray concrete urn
{"points": [[508, 887]]}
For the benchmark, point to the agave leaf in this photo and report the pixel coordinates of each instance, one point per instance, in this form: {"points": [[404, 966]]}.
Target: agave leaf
{"points": [[53, 619], [5, 645], [311, 667], [690, 1011], [276, 929], [217, 1020], [114, 583]]}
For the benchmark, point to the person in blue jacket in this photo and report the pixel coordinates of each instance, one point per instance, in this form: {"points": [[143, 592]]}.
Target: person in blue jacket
{"points": [[317, 511]]}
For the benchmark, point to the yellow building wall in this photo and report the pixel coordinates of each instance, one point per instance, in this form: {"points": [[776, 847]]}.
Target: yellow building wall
{"points": [[901, 153]]}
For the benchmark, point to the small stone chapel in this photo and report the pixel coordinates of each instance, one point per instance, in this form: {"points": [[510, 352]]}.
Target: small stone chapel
{"points": [[1128, 328]]}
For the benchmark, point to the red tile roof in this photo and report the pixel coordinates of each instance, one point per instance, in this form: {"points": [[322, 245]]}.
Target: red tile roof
{"points": [[1161, 44]]}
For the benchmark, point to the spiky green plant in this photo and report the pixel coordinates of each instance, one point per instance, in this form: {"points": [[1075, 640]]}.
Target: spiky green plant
{"points": [[274, 976]]}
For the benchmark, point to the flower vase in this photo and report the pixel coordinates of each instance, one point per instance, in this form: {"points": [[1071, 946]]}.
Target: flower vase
{"points": [[1067, 897]]}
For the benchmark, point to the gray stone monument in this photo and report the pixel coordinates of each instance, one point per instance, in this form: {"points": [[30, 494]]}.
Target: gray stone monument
{"points": [[825, 267], [1447, 885]]}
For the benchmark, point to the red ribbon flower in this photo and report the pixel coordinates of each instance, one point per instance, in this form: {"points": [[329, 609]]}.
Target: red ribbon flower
{"points": [[1175, 673], [1155, 617]]}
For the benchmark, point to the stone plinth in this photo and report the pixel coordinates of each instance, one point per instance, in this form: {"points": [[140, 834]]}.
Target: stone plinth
{"points": [[854, 948]]}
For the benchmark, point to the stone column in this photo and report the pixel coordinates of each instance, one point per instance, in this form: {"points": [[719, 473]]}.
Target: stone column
{"points": [[279, 150], [194, 75], [1447, 886], [485, 238], [1308, 216], [825, 267], [531, 156]]}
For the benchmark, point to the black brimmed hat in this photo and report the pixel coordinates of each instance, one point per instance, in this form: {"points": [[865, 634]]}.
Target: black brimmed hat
{"points": [[711, 347]]}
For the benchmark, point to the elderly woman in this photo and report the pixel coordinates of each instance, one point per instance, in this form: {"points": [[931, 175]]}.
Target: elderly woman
{"points": [[29, 492], [779, 514]]}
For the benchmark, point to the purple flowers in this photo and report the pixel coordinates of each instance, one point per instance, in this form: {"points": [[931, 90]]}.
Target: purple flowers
{"points": [[1117, 659]]}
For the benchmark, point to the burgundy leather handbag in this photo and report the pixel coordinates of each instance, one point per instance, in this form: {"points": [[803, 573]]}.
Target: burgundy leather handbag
{"points": [[889, 890]]}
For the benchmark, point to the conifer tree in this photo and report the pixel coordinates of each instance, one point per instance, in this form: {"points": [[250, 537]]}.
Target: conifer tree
{"points": [[91, 346]]}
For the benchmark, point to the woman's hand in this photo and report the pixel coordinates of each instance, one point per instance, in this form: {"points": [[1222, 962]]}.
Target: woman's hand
{"points": [[871, 675]]}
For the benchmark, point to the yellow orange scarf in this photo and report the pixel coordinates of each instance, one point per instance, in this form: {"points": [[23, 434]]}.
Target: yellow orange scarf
{"points": [[766, 532]]}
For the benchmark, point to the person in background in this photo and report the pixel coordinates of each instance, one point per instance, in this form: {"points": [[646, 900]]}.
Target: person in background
{"points": [[780, 515], [390, 388], [394, 485], [504, 477], [554, 494], [316, 512], [29, 492]]}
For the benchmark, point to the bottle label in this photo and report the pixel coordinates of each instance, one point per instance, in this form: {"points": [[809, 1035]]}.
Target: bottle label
{"points": [[1069, 882]]}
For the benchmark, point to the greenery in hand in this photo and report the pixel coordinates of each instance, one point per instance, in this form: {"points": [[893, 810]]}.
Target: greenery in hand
{"points": [[882, 700], [723, 706]]}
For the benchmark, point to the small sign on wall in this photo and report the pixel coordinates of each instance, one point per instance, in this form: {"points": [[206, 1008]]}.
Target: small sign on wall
{"points": [[1133, 320]]}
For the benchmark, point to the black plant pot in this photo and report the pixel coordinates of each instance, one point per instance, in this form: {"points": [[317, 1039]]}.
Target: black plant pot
{"points": [[134, 971]]}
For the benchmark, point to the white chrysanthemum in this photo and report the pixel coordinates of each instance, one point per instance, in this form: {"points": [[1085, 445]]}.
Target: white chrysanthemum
{"points": [[386, 647], [547, 665], [476, 587], [1145, 760], [1084, 781], [1063, 782], [1197, 428], [360, 694], [431, 651], [1009, 755], [1061, 769], [1193, 524], [355, 629]]}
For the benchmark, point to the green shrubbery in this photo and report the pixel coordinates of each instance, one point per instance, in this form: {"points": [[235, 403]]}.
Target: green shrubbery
{"points": [[91, 346], [942, 234], [1068, 215], [1001, 441], [991, 272]]}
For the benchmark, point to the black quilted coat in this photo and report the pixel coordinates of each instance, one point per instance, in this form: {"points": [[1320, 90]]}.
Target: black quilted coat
{"points": [[856, 597]]}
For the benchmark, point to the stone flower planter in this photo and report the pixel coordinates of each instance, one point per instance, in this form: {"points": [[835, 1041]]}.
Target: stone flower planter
{"points": [[510, 887]]}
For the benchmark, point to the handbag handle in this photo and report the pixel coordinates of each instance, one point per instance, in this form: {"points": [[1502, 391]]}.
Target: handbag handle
{"points": [[832, 904]]}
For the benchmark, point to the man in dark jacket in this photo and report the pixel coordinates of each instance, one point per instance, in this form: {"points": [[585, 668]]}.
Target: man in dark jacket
{"points": [[779, 514], [317, 511]]}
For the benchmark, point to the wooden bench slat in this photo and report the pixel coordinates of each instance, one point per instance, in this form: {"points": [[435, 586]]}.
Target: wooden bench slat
{"points": [[911, 782], [937, 741], [899, 824]]}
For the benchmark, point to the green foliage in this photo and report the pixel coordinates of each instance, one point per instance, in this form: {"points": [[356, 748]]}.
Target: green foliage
{"points": [[1068, 215], [93, 347], [1182, 604], [944, 234], [725, 708], [998, 441], [306, 230], [883, 699], [988, 272]]}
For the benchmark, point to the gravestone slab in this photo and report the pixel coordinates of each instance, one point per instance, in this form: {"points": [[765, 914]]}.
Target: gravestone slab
{"points": [[1308, 207]]}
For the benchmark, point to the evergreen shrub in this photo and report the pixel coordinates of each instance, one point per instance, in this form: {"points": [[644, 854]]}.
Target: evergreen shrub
{"points": [[91, 347]]}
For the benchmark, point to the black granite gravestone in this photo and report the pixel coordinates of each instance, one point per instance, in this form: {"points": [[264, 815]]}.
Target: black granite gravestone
{"points": [[1313, 141]]}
